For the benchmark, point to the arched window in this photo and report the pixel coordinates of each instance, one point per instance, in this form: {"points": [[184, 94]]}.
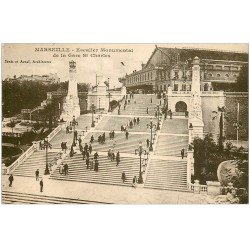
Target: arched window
{"points": [[210, 74], [218, 75], [226, 75]]}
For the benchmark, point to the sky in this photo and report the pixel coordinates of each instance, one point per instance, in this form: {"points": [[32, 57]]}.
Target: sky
{"points": [[87, 66]]}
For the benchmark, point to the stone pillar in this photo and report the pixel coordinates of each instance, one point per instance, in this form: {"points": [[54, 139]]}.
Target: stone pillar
{"points": [[196, 186], [36, 145], [195, 112], [71, 105]]}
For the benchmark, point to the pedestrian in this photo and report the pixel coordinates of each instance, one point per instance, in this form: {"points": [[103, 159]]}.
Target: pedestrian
{"points": [[156, 114], [134, 182], [83, 154], [124, 107], [112, 156], [87, 163], [109, 153], [131, 124], [103, 137], [66, 169], [113, 134], [151, 100], [62, 146], [86, 147], [122, 128], [138, 120], [81, 148], [147, 110], [11, 179], [117, 158], [134, 121], [182, 153], [67, 129], [41, 185], [92, 139], [127, 135], [123, 177], [147, 143], [96, 165], [79, 141], [96, 156], [71, 153], [90, 148], [170, 113], [37, 174], [110, 135]]}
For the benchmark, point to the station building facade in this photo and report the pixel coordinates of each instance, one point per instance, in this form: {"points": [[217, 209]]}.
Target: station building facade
{"points": [[173, 67]]}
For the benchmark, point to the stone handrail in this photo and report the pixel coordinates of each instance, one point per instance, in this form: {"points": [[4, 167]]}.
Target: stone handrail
{"points": [[54, 132], [21, 159], [31, 150]]}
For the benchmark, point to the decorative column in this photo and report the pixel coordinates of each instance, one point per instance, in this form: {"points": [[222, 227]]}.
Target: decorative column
{"points": [[195, 112], [71, 105]]}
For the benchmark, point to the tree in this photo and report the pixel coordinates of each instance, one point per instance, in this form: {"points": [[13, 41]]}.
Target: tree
{"points": [[242, 80]]}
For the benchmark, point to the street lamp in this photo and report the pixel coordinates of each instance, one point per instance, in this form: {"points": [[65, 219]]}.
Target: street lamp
{"points": [[73, 123], [92, 110], [151, 125], [46, 145], [158, 116], [140, 151]]}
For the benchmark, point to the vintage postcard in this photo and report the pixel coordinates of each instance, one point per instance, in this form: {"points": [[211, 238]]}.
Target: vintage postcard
{"points": [[125, 123]]}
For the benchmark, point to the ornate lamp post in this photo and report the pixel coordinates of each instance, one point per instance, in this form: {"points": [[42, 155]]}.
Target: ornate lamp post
{"points": [[92, 110], [46, 145], [151, 126], [140, 151], [73, 123], [158, 116]]}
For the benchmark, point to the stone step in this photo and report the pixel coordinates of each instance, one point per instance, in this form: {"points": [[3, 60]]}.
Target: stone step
{"points": [[15, 197]]}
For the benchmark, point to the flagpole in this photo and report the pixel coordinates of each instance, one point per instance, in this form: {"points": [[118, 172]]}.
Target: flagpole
{"points": [[238, 113]]}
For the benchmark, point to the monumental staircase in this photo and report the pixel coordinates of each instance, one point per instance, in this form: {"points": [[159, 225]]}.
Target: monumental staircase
{"points": [[138, 105], [167, 174], [36, 161], [108, 172]]}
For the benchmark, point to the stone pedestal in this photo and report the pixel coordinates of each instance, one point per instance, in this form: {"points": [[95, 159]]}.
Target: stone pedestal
{"points": [[196, 186], [213, 187]]}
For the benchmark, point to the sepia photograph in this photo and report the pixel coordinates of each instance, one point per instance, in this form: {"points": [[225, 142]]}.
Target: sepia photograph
{"points": [[125, 123]]}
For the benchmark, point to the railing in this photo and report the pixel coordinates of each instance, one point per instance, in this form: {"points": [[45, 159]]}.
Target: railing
{"points": [[184, 92], [197, 188], [22, 158], [31, 150], [54, 132]]}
